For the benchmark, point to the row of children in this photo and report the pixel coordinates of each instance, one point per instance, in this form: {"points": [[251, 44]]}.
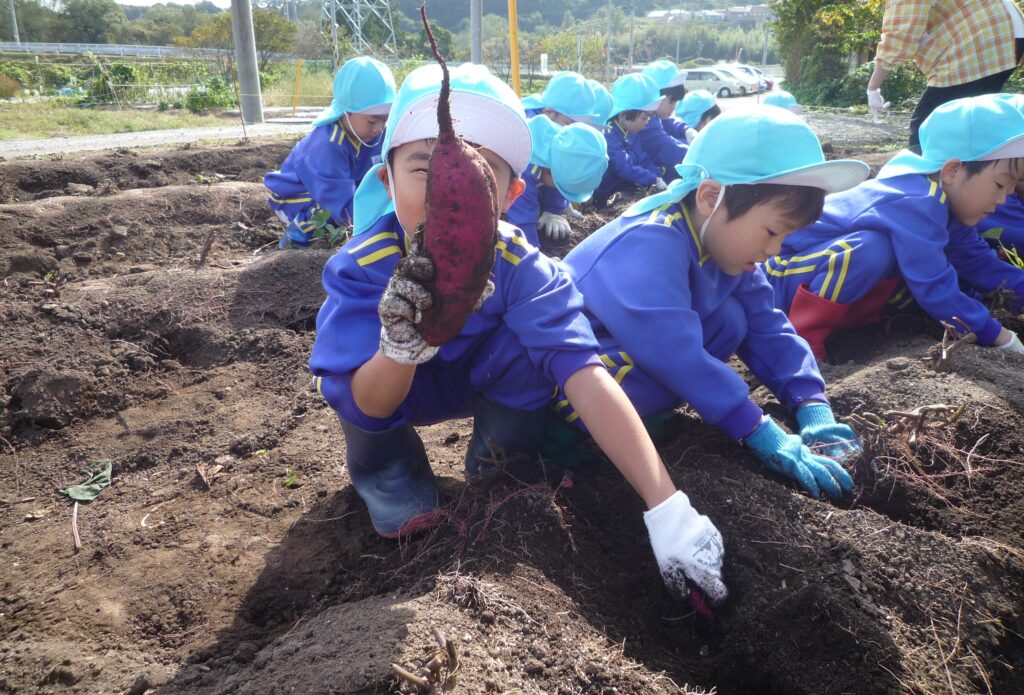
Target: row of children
{"points": [[643, 315]]}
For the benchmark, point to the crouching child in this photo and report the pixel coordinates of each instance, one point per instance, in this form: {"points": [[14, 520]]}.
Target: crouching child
{"points": [[525, 338], [673, 290]]}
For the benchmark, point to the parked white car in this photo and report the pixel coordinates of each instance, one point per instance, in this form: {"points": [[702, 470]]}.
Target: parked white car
{"points": [[718, 83], [764, 83], [749, 84]]}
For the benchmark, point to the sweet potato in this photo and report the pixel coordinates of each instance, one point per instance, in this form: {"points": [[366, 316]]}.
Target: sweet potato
{"points": [[461, 228]]}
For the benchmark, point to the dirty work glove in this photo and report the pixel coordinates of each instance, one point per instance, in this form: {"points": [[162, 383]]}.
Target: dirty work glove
{"points": [[687, 547], [554, 227], [1014, 345], [818, 426], [786, 455], [876, 103], [659, 184], [572, 213], [691, 135], [402, 305]]}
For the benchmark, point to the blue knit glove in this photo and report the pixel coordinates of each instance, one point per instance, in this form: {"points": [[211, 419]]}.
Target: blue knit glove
{"points": [[818, 426], [786, 455]]}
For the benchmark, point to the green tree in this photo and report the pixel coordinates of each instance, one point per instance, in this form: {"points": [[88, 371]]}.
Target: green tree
{"points": [[92, 21], [274, 35]]}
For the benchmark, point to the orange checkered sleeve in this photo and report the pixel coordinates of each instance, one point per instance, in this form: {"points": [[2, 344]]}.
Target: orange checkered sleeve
{"points": [[952, 41]]}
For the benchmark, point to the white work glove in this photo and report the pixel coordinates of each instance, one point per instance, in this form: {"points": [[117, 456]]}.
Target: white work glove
{"points": [[554, 227], [659, 184], [691, 135], [687, 547], [402, 305], [876, 103], [1013, 345], [572, 213]]}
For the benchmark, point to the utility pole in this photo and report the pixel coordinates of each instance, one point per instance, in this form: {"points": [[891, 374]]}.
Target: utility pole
{"points": [[679, 32], [250, 101], [14, 22], [631, 15], [476, 30], [334, 35], [608, 45]]}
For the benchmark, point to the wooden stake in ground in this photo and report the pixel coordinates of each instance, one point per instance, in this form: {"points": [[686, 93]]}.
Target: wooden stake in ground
{"points": [[77, 542]]}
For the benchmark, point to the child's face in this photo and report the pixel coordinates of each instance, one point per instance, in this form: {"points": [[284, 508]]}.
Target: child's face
{"points": [[546, 178], [634, 125], [559, 118], [704, 120], [366, 128], [666, 108], [409, 188], [972, 198], [736, 245], [1019, 190]]}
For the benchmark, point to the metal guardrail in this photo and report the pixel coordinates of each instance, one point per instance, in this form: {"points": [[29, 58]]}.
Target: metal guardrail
{"points": [[110, 49]]}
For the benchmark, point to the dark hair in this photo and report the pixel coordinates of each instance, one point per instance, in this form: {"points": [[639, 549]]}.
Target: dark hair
{"points": [[711, 114], [674, 93], [975, 168], [801, 205], [631, 114]]}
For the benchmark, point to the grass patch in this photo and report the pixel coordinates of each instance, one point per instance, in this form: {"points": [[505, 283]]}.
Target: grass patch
{"points": [[26, 120], [315, 89]]}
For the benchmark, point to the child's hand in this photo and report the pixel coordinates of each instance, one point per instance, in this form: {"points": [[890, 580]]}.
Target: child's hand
{"points": [[785, 454], [818, 426], [1012, 343], [401, 308], [554, 227], [687, 547]]}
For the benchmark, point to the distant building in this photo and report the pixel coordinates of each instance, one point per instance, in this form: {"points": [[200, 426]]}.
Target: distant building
{"points": [[675, 15]]}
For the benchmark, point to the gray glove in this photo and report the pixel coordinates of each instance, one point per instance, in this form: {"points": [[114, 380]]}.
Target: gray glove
{"points": [[402, 305], [1014, 345], [687, 547], [554, 227], [659, 184], [691, 135], [572, 213]]}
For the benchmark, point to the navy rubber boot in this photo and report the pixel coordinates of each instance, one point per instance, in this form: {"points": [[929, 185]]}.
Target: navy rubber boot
{"points": [[391, 473], [501, 432]]}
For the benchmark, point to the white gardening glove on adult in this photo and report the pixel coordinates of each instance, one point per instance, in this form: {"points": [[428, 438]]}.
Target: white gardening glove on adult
{"points": [[402, 305], [687, 546], [691, 135], [876, 103], [1013, 344], [572, 213], [659, 184], [554, 227]]}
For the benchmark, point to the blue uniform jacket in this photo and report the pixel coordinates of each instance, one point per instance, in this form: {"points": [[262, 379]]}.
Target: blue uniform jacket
{"points": [[627, 165], [675, 127], [323, 170], [660, 147], [648, 285], [929, 244], [528, 337], [1005, 226], [526, 208]]}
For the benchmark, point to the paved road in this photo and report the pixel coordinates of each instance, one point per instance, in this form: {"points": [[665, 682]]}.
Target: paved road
{"points": [[148, 138]]}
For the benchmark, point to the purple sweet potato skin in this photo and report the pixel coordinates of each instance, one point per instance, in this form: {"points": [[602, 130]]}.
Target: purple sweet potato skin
{"points": [[461, 227]]}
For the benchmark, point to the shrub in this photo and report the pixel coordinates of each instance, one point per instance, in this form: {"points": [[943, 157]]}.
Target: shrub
{"points": [[214, 94], [16, 73], [9, 87]]}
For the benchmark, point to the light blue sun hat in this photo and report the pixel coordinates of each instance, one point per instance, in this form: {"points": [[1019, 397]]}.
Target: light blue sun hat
{"points": [[566, 92], [665, 74], [577, 156], [602, 105], [485, 111], [362, 85], [784, 100], [787, 152], [974, 129], [691, 107], [634, 92]]}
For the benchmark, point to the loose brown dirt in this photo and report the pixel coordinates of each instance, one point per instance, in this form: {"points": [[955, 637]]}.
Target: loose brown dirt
{"points": [[119, 346]]}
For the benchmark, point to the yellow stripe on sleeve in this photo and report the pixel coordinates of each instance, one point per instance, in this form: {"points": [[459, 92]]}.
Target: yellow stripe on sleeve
{"points": [[377, 255], [373, 240]]}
